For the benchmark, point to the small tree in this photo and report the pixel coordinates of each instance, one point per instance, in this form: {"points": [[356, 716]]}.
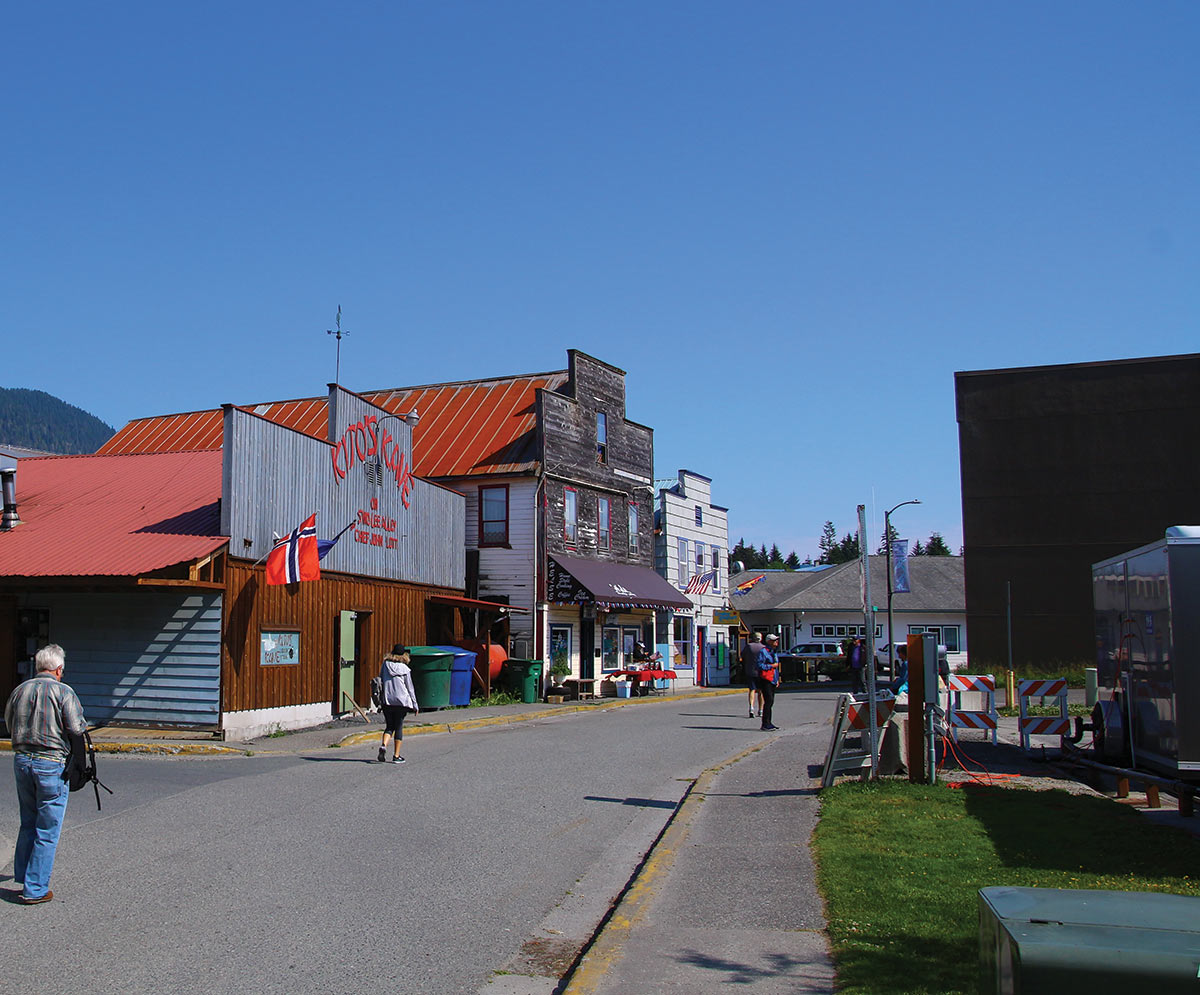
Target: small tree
{"points": [[793, 561], [883, 538], [937, 546], [917, 549], [827, 543]]}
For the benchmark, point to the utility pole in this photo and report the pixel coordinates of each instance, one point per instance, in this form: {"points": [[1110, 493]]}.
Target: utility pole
{"points": [[337, 376]]}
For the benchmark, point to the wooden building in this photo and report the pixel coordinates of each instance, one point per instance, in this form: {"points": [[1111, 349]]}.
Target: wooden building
{"points": [[691, 542], [149, 569], [554, 478]]}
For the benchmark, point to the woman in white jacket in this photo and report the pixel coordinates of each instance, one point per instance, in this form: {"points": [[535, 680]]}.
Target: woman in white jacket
{"points": [[398, 699]]}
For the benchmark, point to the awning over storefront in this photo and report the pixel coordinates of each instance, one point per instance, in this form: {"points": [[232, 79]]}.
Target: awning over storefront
{"points": [[458, 601], [571, 580]]}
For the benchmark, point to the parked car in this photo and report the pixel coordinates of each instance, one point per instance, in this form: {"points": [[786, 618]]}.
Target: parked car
{"points": [[808, 660], [882, 664]]}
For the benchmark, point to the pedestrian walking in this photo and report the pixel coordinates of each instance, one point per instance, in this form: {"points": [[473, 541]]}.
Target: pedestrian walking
{"points": [[44, 720], [750, 672], [398, 697], [768, 679]]}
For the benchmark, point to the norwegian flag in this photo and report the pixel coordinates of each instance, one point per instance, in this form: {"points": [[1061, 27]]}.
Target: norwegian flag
{"points": [[295, 556], [700, 583]]}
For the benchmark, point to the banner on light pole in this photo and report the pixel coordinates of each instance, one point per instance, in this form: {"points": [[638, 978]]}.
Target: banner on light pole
{"points": [[900, 583]]}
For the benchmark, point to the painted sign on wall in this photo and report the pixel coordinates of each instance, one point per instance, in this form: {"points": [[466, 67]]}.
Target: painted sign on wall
{"points": [[373, 445], [277, 648]]}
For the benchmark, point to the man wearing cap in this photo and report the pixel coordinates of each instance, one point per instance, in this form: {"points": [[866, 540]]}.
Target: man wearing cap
{"points": [[750, 668], [42, 716], [768, 679]]}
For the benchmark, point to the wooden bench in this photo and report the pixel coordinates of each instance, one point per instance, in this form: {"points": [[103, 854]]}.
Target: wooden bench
{"points": [[585, 687]]}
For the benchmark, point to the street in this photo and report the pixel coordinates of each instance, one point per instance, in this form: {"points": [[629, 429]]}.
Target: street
{"points": [[327, 872]]}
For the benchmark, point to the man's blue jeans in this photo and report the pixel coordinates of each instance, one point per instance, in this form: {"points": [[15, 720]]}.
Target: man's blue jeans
{"points": [[42, 794]]}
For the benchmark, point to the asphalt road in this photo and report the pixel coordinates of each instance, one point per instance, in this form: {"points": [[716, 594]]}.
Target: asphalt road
{"points": [[329, 873]]}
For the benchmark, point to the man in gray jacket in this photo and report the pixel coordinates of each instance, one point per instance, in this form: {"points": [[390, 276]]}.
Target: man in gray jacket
{"points": [[42, 714]]}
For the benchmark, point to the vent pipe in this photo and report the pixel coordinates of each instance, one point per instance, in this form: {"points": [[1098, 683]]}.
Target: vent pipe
{"points": [[8, 488]]}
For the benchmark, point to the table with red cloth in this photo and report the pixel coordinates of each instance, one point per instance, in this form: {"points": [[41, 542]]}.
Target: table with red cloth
{"points": [[650, 676]]}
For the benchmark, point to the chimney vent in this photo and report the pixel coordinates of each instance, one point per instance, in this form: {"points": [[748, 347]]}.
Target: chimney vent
{"points": [[8, 488]]}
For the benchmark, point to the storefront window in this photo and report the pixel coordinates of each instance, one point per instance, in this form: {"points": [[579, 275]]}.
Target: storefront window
{"points": [[681, 652], [560, 645], [611, 653]]}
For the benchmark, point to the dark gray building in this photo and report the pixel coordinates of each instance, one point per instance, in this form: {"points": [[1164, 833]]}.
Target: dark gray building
{"points": [[1063, 466]]}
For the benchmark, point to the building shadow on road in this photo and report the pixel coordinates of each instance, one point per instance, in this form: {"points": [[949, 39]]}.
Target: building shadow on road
{"points": [[638, 802]]}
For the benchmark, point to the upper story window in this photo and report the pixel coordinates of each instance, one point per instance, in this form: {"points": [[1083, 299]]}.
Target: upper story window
{"points": [[716, 568], [699, 517], [603, 523], [601, 437], [699, 558], [633, 525], [570, 515], [493, 515], [683, 561]]}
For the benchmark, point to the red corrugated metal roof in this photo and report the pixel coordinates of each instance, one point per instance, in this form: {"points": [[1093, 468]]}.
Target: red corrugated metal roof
{"points": [[113, 516], [467, 428]]}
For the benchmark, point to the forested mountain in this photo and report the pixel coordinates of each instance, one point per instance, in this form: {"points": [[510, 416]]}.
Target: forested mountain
{"points": [[34, 419]]}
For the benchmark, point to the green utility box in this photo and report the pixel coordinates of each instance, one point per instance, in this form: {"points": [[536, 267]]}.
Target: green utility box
{"points": [[524, 677], [1061, 941], [431, 676]]}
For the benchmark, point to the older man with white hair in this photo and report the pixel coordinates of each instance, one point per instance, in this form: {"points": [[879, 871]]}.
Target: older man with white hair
{"points": [[42, 715]]}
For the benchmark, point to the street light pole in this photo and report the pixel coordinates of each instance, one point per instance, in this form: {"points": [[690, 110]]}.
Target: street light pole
{"points": [[887, 533]]}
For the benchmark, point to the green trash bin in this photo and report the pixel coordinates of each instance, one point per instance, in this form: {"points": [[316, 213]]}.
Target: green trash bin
{"points": [[525, 677], [431, 676]]}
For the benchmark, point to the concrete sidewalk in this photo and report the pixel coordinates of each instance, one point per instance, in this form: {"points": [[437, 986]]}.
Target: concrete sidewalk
{"points": [[728, 894]]}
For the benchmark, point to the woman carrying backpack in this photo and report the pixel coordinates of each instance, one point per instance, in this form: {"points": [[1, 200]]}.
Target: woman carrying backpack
{"points": [[398, 697]]}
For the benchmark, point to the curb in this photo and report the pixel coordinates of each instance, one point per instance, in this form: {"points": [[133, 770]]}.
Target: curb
{"points": [[607, 945], [167, 748], [356, 738]]}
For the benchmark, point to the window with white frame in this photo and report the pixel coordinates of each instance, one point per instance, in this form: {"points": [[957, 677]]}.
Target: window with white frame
{"points": [[683, 561], [603, 523], [716, 569], [699, 558], [633, 525]]}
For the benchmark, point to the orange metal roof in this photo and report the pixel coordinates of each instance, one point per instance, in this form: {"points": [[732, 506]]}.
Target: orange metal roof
{"points": [[467, 428], [113, 516]]}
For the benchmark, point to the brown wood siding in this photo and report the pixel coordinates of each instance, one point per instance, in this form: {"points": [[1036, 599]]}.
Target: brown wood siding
{"points": [[399, 613]]}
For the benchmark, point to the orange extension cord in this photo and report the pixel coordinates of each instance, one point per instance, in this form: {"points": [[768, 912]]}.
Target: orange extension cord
{"points": [[987, 777]]}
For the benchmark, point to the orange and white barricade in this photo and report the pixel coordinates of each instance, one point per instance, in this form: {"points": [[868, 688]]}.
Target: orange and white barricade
{"points": [[984, 719], [1050, 725], [850, 719]]}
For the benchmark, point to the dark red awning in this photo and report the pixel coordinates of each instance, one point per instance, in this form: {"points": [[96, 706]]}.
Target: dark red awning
{"points": [[573, 580]]}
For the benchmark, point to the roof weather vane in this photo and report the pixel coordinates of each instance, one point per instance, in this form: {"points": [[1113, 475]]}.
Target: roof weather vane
{"points": [[337, 376]]}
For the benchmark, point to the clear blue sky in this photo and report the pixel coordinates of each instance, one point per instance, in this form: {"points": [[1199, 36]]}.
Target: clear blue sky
{"points": [[789, 222]]}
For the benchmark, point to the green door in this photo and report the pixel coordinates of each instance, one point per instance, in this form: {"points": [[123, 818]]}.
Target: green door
{"points": [[347, 654]]}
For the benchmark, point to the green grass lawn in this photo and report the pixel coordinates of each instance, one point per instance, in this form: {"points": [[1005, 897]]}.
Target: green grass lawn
{"points": [[900, 866]]}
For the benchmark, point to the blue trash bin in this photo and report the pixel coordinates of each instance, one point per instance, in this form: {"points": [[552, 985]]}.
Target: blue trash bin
{"points": [[461, 667]]}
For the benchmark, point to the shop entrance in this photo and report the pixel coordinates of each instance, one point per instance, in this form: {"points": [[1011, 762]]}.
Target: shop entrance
{"points": [[346, 676], [587, 648]]}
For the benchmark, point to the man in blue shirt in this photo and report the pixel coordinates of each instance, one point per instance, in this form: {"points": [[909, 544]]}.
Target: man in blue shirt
{"points": [[768, 679]]}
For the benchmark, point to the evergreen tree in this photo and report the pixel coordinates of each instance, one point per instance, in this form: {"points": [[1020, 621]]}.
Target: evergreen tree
{"points": [[763, 559], [937, 546], [793, 561], [916, 549], [775, 559], [827, 543], [848, 548], [883, 539]]}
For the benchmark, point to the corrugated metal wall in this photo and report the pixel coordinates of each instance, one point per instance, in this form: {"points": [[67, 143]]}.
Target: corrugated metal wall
{"points": [[143, 656], [274, 478]]}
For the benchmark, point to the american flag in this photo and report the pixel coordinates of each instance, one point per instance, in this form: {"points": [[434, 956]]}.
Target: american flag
{"points": [[295, 556], [700, 583]]}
